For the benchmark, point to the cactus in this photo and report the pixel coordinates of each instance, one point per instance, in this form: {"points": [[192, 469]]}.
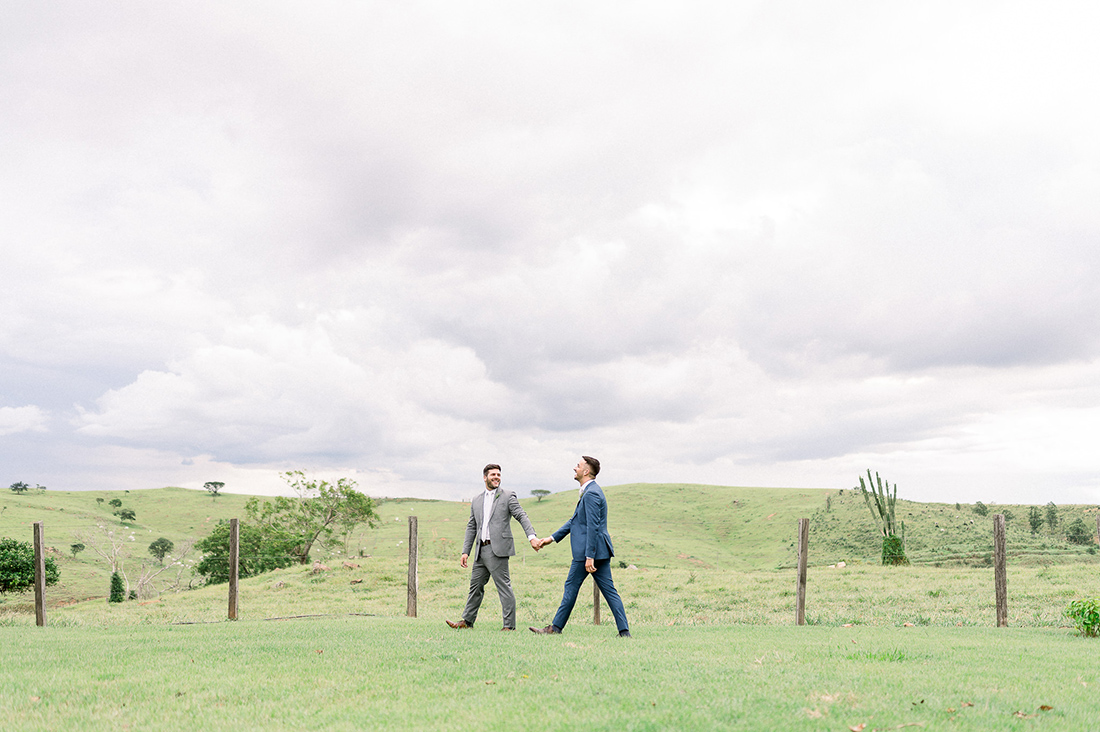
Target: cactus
{"points": [[880, 501]]}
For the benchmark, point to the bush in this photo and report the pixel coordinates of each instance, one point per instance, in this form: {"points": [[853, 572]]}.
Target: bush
{"points": [[1078, 532], [260, 551], [126, 514], [118, 592], [1085, 614], [893, 551], [17, 567], [980, 509]]}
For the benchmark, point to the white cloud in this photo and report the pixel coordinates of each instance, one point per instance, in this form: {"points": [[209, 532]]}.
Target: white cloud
{"points": [[726, 242], [22, 419]]}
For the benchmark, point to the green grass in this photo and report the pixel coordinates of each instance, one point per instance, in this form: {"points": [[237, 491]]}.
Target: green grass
{"points": [[654, 527], [710, 598], [397, 673]]}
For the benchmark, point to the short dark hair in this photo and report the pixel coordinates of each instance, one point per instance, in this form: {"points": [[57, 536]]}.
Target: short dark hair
{"points": [[490, 466], [592, 463]]}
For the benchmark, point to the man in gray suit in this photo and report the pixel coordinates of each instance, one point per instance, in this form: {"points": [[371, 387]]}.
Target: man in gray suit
{"points": [[489, 535]]}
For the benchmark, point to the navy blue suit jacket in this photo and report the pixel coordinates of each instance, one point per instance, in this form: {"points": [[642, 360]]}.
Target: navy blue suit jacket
{"points": [[587, 528]]}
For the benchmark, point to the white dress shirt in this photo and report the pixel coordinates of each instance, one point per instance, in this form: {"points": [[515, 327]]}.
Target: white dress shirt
{"points": [[487, 511]]}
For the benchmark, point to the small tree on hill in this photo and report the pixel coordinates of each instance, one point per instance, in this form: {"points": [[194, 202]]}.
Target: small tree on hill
{"points": [[160, 548], [321, 508], [540, 493], [76, 548], [1078, 532], [126, 514], [100, 500], [1035, 519], [20, 487], [1052, 517], [261, 550], [880, 501], [214, 487], [115, 503], [981, 509], [118, 591], [17, 567]]}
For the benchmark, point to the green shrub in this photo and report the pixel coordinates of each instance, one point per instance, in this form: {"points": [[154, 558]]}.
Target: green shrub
{"points": [[1085, 614], [261, 550], [17, 567], [981, 509], [893, 551], [118, 592], [1078, 532]]}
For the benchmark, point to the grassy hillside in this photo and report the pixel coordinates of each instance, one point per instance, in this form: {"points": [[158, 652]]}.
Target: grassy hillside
{"points": [[673, 526]]}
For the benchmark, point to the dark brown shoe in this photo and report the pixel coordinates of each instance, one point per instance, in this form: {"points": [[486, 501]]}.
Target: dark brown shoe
{"points": [[459, 624], [548, 630], [507, 628]]}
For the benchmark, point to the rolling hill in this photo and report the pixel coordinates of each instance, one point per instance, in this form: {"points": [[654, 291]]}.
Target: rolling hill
{"points": [[653, 526]]}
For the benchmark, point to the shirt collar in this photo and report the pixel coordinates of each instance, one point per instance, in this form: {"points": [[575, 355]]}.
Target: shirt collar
{"points": [[586, 484]]}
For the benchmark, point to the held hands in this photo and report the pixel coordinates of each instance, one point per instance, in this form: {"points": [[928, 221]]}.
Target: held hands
{"points": [[536, 544], [547, 541]]}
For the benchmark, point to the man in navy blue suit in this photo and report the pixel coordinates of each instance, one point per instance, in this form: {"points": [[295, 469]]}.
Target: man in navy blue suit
{"points": [[592, 550]]}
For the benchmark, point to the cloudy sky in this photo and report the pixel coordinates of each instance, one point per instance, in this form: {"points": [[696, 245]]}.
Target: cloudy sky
{"points": [[755, 243]]}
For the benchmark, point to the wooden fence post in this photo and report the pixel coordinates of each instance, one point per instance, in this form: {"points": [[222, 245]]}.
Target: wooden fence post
{"points": [[39, 577], [803, 548], [1098, 527], [595, 603], [1000, 577], [414, 577], [234, 566]]}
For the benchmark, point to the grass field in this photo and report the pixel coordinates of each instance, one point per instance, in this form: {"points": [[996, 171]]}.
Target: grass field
{"points": [[709, 594], [396, 673], [655, 527]]}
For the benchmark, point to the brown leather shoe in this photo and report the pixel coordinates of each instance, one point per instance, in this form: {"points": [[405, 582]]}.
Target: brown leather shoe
{"points": [[459, 624], [507, 628], [548, 630]]}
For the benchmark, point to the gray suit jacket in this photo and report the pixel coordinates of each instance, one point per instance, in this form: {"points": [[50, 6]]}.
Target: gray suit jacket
{"points": [[505, 507]]}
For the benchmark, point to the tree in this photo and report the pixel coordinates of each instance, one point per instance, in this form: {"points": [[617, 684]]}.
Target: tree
{"points": [[1078, 532], [540, 493], [1035, 519], [260, 551], [320, 508], [981, 509], [115, 503], [100, 500], [107, 543], [1052, 517], [214, 486], [76, 548], [20, 487], [126, 514], [118, 592], [160, 548], [17, 567], [880, 501]]}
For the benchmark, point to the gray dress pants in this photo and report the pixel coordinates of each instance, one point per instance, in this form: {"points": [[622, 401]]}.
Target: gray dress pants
{"points": [[489, 565]]}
